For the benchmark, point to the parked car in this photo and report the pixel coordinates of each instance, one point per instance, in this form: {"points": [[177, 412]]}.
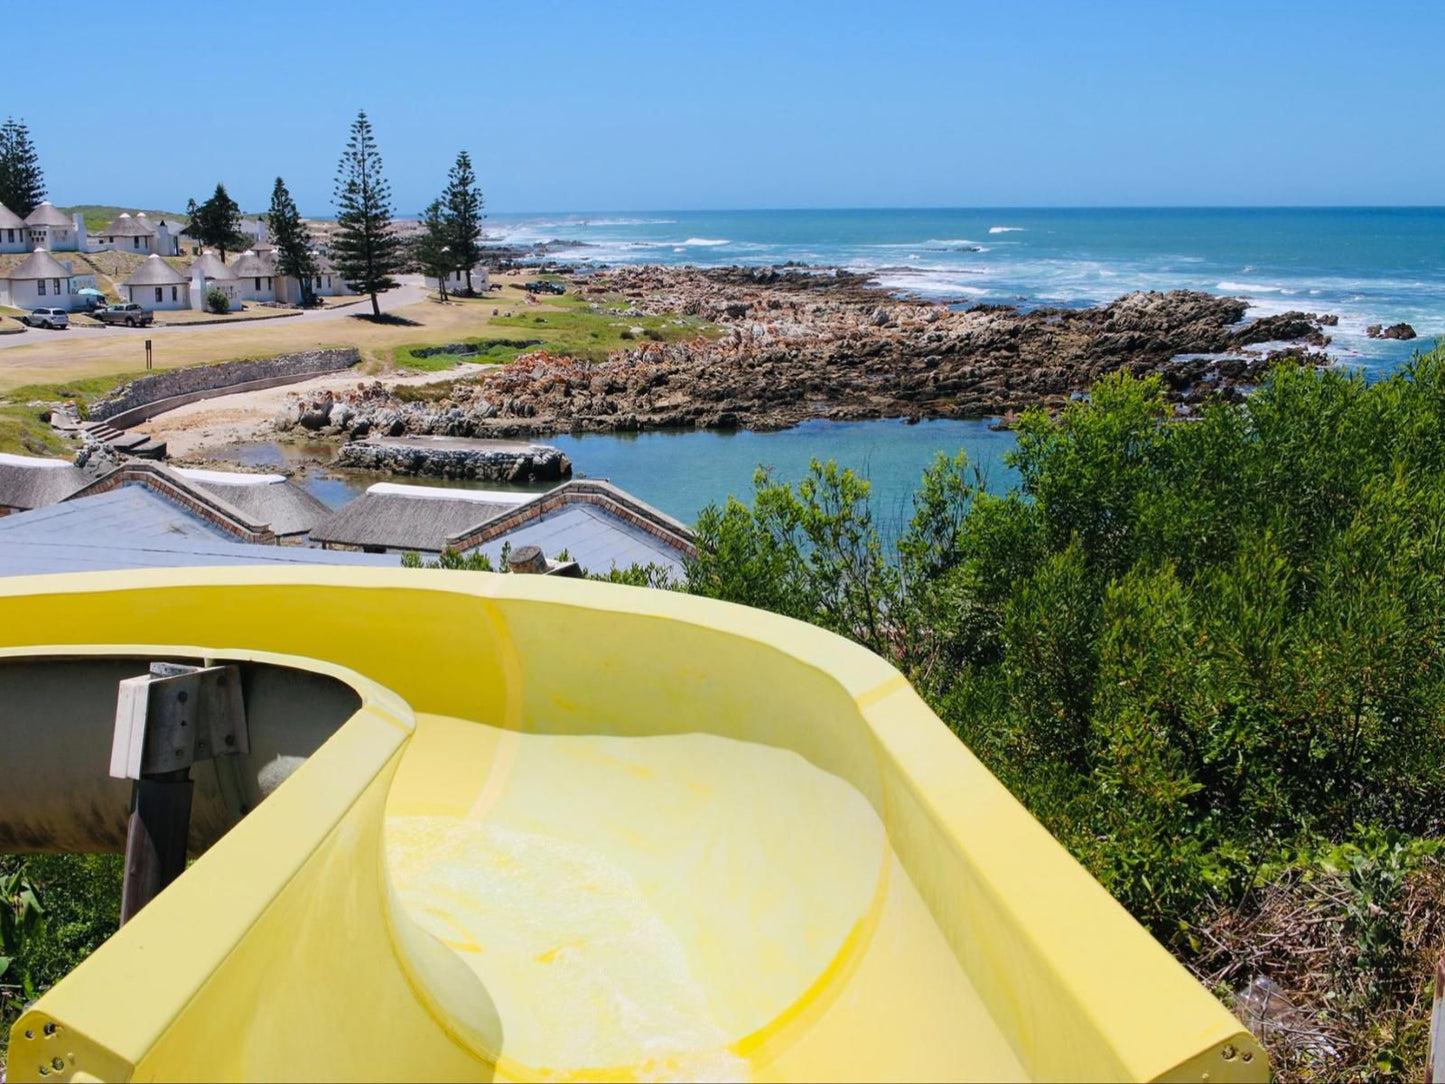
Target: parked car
{"points": [[542, 286], [131, 315], [55, 319]]}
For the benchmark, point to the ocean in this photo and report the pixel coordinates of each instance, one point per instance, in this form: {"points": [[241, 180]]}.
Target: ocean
{"points": [[1365, 265]]}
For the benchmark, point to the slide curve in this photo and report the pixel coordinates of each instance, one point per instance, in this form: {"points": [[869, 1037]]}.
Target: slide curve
{"points": [[572, 831]]}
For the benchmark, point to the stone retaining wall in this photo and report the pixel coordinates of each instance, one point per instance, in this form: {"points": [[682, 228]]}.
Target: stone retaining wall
{"points": [[529, 463], [187, 385]]}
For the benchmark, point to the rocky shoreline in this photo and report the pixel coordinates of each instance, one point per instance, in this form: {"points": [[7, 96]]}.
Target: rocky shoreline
{"points": [[796, 344]]}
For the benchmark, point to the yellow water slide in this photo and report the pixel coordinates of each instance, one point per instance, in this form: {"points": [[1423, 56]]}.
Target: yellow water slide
{"points": [[556, 830]]}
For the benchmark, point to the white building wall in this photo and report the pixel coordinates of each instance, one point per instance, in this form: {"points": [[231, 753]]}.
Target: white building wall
{"points": [[25, 294], [53, 238], [457, 281], [142, 245], [171, 297], [13, 240], [330, 284], [251, 288]]}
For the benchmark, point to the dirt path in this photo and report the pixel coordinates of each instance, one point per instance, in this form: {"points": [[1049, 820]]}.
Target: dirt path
{"points": [[246, 416]]}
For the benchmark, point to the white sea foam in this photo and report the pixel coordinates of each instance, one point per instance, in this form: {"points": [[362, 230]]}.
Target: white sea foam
{"points": [[1249, 287], [707, 242], [1005, 229], [928, 283]]}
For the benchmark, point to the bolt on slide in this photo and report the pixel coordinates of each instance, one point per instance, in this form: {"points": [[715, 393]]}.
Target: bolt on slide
{"points": [[462, 826]]}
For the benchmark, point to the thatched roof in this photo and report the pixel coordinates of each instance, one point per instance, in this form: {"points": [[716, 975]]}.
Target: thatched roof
{"points": [[599, 525], [125, 226], [197, 500], [154, 271], [252, 264], [266, 498], [30, 482], [212, 268], [9, 220], [410, 517], [39, 265], [47, 215]]}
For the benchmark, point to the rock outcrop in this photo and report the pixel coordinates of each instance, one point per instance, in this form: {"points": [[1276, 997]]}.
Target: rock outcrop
{"points": [[800, 343], [1394, 331]]}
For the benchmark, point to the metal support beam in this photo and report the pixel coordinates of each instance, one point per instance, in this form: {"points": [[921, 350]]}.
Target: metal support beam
{"points": [[165, 721]]}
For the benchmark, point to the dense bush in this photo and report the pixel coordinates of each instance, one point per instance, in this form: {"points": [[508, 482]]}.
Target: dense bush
{"points": [[1199, 652], [217, 301]]}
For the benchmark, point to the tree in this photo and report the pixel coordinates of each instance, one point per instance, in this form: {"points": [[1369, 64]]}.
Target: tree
{"points": [[366, 250], [217, 222], [22, 184], [464, 205], [433, 249], [294, 254]]}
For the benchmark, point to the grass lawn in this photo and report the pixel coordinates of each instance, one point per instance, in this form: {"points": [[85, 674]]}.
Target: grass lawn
{"points": [[592, 336], [171, 317], [21, 430]]}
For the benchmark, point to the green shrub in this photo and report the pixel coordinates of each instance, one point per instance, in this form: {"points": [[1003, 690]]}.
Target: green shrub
{"points": [[1196, 651], [217, 301]]}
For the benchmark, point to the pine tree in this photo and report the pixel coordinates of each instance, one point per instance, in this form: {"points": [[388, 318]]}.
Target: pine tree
{"points": [[22, 184], [366, 251], [294, 255], [433, 250], [464, 205], [217, 222]]}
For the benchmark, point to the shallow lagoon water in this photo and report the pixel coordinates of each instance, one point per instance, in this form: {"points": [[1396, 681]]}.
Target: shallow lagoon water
{"points": [[683, 471]]}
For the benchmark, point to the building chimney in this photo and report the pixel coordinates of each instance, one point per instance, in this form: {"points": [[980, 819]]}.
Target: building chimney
{"points": [[528, 559]]}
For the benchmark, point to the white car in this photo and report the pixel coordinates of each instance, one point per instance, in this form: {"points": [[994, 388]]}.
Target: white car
{"points": [[55, 319]]}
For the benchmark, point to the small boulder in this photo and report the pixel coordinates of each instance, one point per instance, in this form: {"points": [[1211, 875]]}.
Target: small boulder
{"points": [[1394, 331]]}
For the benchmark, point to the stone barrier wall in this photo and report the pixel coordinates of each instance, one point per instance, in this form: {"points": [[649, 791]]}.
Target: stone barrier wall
{"points": [[187, 385], [527, 463]]}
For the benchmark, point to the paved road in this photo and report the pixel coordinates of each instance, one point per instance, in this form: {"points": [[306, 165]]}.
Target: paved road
{"points": [[409, 292]]}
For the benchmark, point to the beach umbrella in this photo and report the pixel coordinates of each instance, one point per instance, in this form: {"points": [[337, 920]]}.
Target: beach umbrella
{"points": [[90, 292]]}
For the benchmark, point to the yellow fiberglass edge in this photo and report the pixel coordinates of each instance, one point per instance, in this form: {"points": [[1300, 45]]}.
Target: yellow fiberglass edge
{"points": [[579, 831]]}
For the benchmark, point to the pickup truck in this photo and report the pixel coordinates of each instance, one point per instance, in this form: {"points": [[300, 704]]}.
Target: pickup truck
{"points": [[130, 315]]}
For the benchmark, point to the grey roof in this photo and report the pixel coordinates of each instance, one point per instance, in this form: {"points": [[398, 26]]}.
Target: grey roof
{"points": [[269, 498], [27, 482], [39, 265], [591, 536], [126, 515], [252, 264], [9, 220], [154, 271], [408, 517], [132, 527], [212, 267], [47, 215], [126, 226]]}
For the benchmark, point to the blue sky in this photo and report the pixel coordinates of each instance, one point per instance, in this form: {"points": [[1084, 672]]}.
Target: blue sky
{"points": [[789, 103]]}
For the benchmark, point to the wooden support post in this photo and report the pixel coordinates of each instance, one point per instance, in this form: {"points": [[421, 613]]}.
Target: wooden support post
{"points": [[165, 721], [155, 840]]}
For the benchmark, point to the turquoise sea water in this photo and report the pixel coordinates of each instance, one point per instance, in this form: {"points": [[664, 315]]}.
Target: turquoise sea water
{"points": [[1364, 265]]}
